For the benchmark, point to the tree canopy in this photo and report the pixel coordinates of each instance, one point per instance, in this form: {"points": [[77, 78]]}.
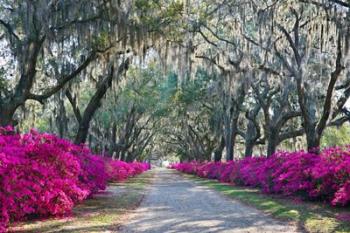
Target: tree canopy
{"points": [[193, 79]]}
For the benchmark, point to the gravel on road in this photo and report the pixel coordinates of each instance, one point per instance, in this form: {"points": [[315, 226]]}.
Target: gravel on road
{"points": [[174, 203]]}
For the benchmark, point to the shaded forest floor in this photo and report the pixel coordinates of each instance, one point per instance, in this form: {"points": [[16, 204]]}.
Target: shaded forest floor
{"points": [[309, 216], [104, 213]]}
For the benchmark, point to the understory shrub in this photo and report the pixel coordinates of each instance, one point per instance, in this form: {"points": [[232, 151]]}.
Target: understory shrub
{"points": [[42, 175], [324, 176]]}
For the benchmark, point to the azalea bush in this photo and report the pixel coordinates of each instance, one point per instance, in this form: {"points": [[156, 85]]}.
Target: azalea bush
{"points": [[119, 171], [42, 175], [324, 176]]}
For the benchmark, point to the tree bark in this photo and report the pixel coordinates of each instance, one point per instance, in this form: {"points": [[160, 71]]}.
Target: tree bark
{"points": [[253, 131], [218, 151], [272, 142], [249, 147], [313, 127], [95, 103], [232, 131], [6, 115], [21, 93], [113, 146], [313, 141], [229, 145]]}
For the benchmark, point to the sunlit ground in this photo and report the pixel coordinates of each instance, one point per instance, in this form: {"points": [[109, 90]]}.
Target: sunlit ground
{"points": [[309, 216], [104, 213]]}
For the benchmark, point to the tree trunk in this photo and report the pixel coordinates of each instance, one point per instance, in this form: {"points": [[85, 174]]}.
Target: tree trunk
{"points": [[272, 142], [251, 136], [229, 146], [253, 130], [95, 103], [313, 141], [83, 131], [249, 146], [233, 124], [6, 115], [218, 151], [122, 155], [113, 141], [231, 139], [21, 93], [129, 158]]}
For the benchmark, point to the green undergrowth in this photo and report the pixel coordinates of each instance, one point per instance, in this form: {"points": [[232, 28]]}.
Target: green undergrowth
{"points": [[309, 216], [103, 213]]}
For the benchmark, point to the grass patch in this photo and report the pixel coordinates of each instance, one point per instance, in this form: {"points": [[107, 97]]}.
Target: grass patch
{"points": [[104, 213], [309, 216]]}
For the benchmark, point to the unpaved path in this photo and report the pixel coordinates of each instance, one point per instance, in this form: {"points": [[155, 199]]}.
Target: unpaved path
{"points": [[102, 214], [175, 204]]}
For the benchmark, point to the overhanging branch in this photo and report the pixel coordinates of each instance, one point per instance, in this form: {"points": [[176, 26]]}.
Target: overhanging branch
{"points": [[9, 30], [64, 80]]}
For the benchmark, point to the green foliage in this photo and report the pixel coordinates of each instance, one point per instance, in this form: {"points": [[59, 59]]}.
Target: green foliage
{"points": [[336, 136], [158, 15], [188, 124]]}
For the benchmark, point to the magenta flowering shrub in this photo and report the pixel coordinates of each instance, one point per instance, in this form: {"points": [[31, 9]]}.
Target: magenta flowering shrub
{"points": [[139, 167], [315, 177], [332, 176], [4, 217], [209, 170], [248, 172], [225, 173], [119, 171], [293, 172], [42, 175], [189, 168]]}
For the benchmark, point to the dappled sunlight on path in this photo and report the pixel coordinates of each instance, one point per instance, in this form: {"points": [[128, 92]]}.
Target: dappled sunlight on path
{"points": [[177, 204]]}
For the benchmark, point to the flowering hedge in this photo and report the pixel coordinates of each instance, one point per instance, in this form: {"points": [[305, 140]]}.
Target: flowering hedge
{"points": [[42, 175], [315, 177], [119, 171]]}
